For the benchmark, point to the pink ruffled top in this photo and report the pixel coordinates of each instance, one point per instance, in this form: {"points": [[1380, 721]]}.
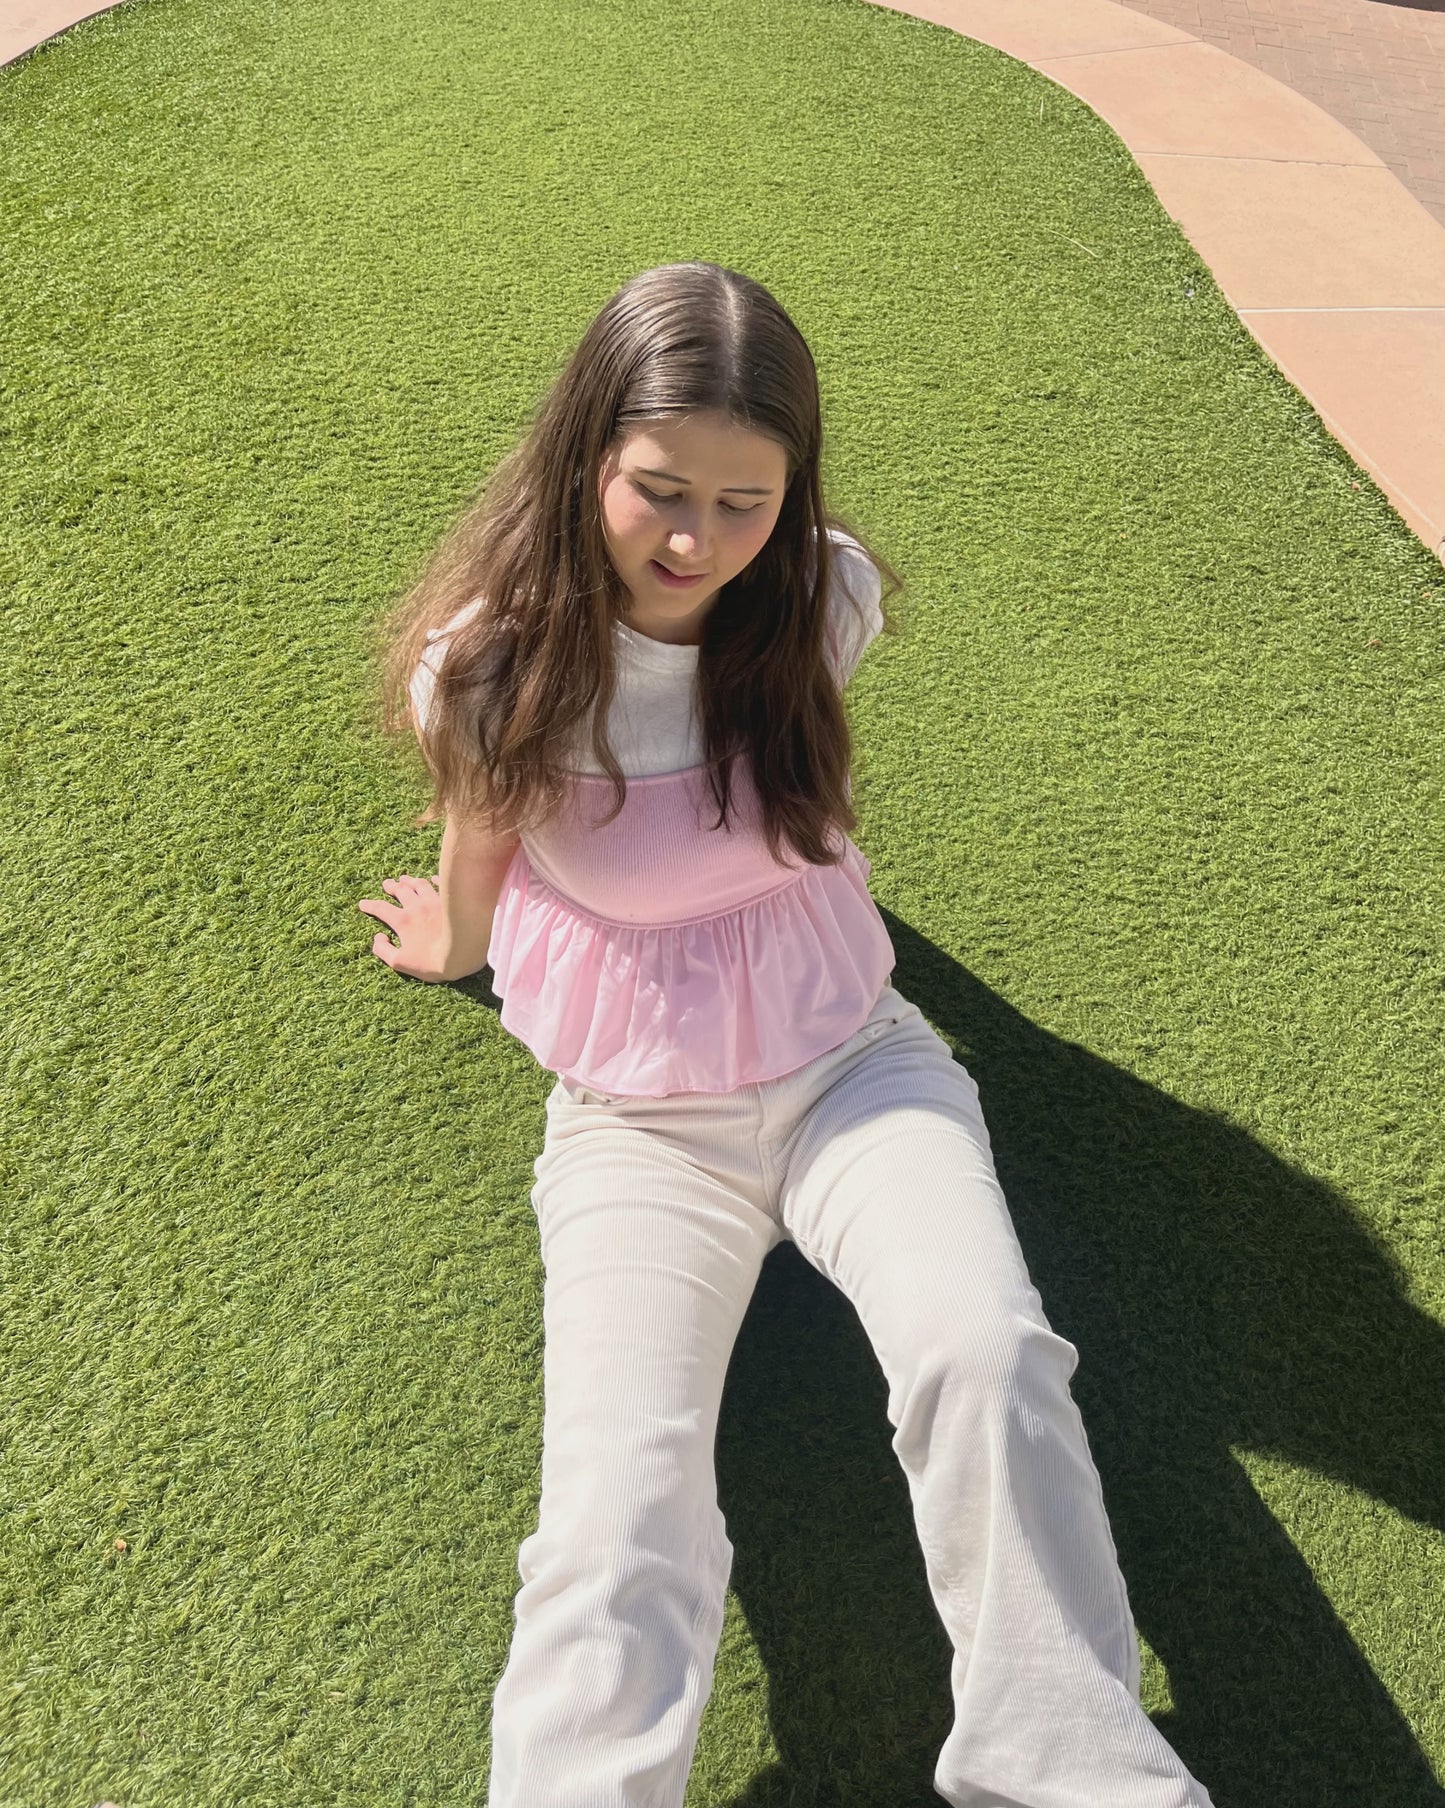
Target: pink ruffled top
{"points": [[658, 954]]}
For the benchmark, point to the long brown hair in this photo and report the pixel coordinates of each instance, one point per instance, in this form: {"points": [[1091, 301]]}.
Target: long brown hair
{"points": [[519, 678]]}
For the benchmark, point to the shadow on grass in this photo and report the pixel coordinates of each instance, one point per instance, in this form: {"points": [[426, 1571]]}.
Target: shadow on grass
{"points": [[1218, 1298]]}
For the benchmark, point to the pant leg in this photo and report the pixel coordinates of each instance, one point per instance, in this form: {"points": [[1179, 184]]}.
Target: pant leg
{"points": [[651, 1243], [888, 1187]]}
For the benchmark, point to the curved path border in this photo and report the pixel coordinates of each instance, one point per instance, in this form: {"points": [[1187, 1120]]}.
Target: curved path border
{"points": [[1333, 265], [1377, 65], [26, 23]]}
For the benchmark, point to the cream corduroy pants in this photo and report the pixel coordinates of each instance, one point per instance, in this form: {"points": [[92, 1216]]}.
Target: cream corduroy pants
{"points": [[655, 1216]]}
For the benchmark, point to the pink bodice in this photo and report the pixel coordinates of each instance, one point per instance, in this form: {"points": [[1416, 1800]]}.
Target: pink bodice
{"points": [[657, 954]]}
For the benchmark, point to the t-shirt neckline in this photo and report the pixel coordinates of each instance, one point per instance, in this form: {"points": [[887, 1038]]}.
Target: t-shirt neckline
{"points": [[669, 654]]}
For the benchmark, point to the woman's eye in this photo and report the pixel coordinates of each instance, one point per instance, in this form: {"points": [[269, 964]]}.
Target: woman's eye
{"points": [[731, 508]]}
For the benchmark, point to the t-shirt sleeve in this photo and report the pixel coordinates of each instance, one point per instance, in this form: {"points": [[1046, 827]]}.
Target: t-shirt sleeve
{"points": [[423, 679], [854, 613]]}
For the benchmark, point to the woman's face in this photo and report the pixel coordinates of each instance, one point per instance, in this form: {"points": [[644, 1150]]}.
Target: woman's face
{"points": [[699, 495]]}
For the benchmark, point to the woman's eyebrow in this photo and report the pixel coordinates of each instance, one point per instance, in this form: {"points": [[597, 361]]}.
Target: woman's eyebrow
{"points": [[735, 489]]}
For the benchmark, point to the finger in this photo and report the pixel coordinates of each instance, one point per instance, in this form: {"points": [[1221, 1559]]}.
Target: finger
{"points": [[383, 947], [380, 907]]}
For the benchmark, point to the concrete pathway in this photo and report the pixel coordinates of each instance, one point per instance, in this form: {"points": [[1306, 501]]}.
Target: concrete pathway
{"points": [[1299, 144], [1334, 266], [26, 23], [1377, 65]]}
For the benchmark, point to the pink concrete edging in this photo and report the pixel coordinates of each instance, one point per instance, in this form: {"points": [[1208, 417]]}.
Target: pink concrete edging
{"points": [[1329, 260], [1377, 65], [26, 23], [1333, 265]]}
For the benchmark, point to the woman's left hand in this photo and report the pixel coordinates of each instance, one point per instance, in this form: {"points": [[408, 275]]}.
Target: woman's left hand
{"points": [[419, 923]]}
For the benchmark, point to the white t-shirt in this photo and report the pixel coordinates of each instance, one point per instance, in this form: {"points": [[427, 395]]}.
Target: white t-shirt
{"points": [[653, 725]]}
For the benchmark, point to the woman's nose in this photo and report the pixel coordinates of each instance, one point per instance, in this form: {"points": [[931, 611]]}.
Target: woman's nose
{"points": [[684, 533]]}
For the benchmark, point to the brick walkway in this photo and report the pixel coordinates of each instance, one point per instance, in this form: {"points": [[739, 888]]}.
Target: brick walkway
{"points": [[1378, 67], [1333, 263]]}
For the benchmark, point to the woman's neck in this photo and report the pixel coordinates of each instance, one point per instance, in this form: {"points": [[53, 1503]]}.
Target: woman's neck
{"points": [[675, 631]]}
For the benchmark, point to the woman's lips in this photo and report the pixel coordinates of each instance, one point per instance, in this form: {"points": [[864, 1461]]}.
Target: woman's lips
{"points": [[672, 578]]}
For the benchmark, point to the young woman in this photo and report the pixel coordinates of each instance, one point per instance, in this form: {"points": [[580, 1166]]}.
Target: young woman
{"points": [[625, 667]]}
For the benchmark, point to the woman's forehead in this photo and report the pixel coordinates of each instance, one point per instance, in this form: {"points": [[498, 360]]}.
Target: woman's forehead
{"points": [[704, 447]]}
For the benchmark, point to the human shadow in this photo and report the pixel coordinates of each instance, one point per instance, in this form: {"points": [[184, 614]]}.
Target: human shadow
{"points": [[1219, 1298]]}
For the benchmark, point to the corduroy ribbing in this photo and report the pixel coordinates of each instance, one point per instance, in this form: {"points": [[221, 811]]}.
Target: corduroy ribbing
{"points": [[654, 1216]]}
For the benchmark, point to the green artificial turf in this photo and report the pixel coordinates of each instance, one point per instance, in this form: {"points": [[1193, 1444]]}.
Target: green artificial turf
{"points": [[1150, 783]]}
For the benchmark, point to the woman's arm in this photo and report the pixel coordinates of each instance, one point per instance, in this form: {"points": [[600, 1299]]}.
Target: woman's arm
{"points": [[443, 931], [471, 868]]}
